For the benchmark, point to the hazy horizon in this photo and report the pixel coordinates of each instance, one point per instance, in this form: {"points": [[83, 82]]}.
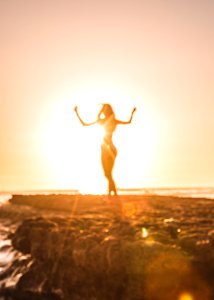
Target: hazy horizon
{"points": [[152, 55], [145, 189]]}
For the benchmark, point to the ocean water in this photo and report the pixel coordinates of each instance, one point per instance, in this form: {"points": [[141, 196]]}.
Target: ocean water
{"points": [[199, 192]]}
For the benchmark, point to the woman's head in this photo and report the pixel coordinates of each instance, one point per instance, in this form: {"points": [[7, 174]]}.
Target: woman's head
{"points": [[107, 110]]}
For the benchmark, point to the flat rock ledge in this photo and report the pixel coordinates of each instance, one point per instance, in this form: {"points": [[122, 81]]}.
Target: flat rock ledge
{"points": [[98, 258]]}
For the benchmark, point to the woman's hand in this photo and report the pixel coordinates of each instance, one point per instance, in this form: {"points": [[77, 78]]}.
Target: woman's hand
{"points": [[134, 110]]}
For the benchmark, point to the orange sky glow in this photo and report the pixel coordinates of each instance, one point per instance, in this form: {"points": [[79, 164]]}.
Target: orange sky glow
{"points": [[155, 55]]}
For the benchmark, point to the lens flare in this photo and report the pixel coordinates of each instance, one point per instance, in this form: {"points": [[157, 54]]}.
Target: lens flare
{"points": [[144, 232], [186, 296]]}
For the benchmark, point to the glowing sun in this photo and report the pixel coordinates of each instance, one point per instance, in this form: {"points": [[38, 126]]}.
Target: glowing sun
{"points": [[73, 151]]}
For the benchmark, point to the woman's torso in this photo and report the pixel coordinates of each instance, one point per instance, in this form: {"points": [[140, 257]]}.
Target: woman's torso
{"points": [[109, 125]]}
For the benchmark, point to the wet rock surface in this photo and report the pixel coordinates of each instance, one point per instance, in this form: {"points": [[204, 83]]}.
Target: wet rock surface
{"points": [[150, 248]]}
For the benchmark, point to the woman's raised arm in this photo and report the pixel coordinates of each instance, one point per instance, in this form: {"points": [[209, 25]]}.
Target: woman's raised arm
{"points": [[81, 120], [130, 120]]}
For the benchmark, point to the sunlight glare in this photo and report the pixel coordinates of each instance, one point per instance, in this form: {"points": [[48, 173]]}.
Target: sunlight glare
{"points": [[73, 151]]}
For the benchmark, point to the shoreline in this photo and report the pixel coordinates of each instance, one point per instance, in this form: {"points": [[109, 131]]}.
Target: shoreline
{"points": [[186, 192]]}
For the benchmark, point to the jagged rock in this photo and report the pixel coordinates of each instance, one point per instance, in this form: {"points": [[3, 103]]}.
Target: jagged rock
{"points": [[159, 251]]}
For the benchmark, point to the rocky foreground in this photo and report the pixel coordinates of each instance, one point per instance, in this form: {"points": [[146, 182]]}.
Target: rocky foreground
{"points": [[95, 248]]}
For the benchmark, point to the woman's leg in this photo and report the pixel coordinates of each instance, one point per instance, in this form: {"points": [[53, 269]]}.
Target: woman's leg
{"points": [[108, 156], [112, 187]]}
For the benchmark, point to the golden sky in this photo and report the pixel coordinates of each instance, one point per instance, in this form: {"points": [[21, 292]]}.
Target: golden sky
{"points": [[157, 55]]}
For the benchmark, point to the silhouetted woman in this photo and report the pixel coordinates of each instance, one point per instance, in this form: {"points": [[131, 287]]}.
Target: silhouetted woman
{"points": [[106, 118]]}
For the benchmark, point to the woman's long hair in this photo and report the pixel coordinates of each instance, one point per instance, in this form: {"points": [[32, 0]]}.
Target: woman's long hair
{"points": [[107, 111]]}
